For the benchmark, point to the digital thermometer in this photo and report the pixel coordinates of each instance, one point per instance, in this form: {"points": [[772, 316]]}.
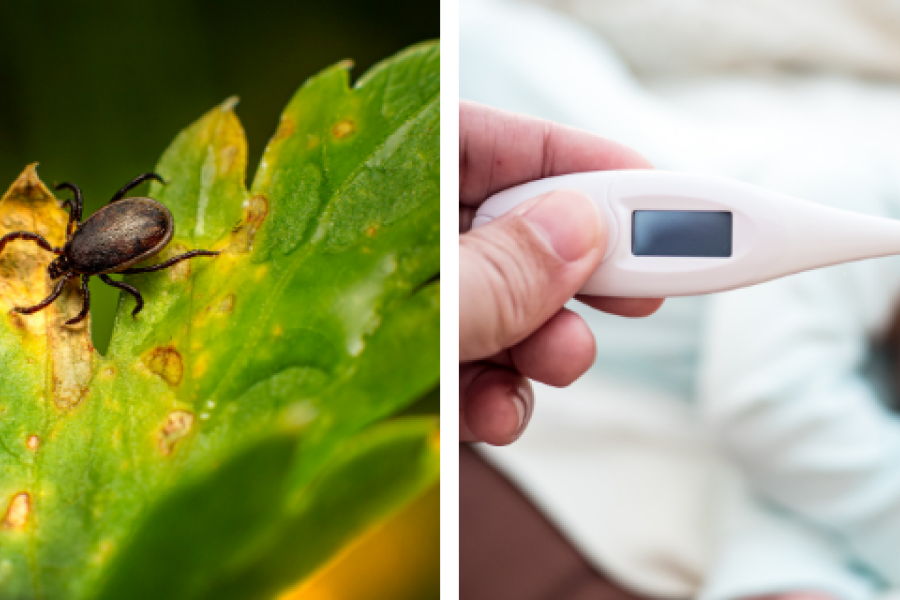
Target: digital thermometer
{"points": [[679, 234]]}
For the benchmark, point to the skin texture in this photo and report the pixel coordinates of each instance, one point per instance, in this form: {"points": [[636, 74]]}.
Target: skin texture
{"points": [[517, 272]]}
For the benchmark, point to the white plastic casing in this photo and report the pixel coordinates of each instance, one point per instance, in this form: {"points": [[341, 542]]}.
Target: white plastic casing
{"points": [[772, 234]]}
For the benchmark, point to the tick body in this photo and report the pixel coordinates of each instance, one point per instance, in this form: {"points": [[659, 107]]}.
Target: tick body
{"points": [[121, 234]]}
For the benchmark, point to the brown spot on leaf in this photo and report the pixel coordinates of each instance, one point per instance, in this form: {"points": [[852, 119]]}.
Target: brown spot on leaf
{"points": [[285, 128], [255, 213], [343, 128], [371, 231], [33, 442], [177, 425], [166, 362], [17, 512]]}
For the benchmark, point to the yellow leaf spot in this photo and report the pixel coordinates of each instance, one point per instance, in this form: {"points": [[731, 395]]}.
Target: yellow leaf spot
{"points": [[201, 364], [285, 128], [166, 362], [17, 512], [226, 305], [277, 330], [177, 425], [343, 129]]}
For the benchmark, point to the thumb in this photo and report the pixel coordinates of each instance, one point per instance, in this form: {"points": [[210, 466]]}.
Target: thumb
{"points": [[518, 270]]}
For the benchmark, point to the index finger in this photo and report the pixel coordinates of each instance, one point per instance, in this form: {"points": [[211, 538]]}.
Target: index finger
{"points": [[500, 149]]}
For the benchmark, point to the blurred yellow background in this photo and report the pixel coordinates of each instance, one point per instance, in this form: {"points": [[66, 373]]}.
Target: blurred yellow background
{"points": [[397, 560]]}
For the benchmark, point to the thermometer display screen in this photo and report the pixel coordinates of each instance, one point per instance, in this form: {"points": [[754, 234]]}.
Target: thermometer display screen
{"points": [[681, 233]]}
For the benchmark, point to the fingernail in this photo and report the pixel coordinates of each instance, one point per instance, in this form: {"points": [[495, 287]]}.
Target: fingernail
{"points": [[568, 221], [516, 394]]}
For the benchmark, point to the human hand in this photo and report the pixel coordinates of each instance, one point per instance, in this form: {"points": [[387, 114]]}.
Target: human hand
{"points": [[517, 272]]}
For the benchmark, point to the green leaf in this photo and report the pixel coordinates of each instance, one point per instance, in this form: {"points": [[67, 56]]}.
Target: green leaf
{"points": [[267, 543], [321, 312]]}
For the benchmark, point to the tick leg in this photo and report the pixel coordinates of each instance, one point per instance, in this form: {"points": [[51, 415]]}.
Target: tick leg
{"points": [[70, 206], [75, 209], [134, 183], [128, 288], [27, 310], [86, 305], [69, 226], [170, 262], [27, 235]]}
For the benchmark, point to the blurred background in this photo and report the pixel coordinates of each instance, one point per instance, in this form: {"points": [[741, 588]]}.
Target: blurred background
{"points": [[615, 479], [96, 91]]}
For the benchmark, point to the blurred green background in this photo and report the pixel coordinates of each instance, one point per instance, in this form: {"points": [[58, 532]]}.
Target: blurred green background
{"points": [[95, 91]]}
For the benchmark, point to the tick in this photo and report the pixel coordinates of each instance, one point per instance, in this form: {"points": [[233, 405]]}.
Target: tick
{"points": [[119, 235]]}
